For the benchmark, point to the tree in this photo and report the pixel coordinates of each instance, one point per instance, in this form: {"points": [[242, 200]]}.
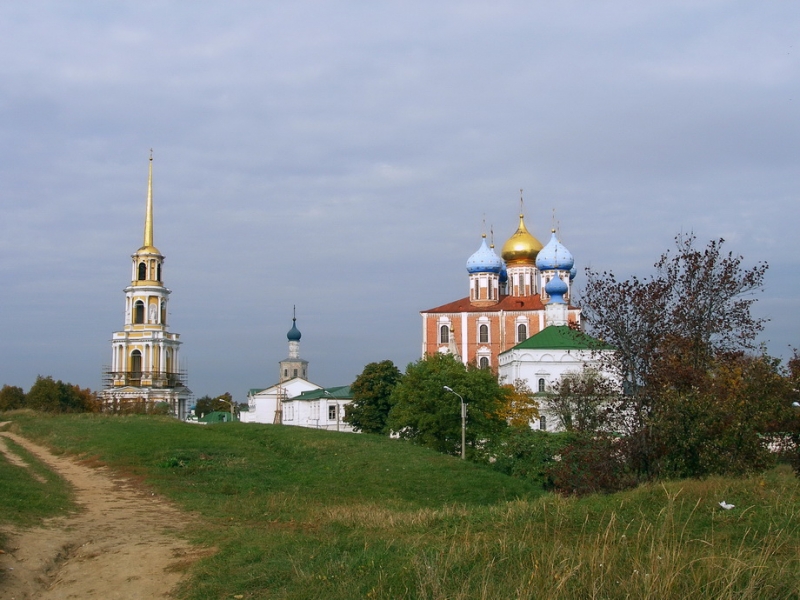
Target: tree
{"points": [[207, 404], [372, 392], [526, 453], [789, 422], [11, 397], [202, 406], [584, 401], [161, 408], [670, 331], [424, 412], [719, 426], [590, 464], [48, 395], [519, 407], [85, 398]]}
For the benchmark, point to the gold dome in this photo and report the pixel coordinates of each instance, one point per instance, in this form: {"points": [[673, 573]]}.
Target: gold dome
{"points": [[522, 246], [149, 250]]}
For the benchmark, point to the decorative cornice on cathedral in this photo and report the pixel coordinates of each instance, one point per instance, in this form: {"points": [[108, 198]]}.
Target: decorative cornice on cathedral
{"points": [[505, 304]]}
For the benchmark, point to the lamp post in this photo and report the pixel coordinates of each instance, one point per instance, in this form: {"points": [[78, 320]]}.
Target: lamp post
{"points": [[463, 422], [221, 399]]}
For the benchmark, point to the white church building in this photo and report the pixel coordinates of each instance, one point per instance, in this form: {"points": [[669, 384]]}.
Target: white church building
{"points": [[543, 359], [295, 400]]}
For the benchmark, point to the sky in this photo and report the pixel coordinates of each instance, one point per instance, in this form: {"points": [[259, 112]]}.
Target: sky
{"points": [[345, 158]]}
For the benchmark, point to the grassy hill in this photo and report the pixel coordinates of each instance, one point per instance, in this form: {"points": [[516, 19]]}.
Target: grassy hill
{"points": [[298, 513]]}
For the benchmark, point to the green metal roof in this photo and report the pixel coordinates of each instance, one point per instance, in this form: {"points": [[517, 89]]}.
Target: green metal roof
{"points": [[560, 337], [218, 416], [341, 392]]}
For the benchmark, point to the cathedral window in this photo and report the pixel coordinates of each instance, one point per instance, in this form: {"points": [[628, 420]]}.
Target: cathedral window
{"points": [[522, 332], [543, 423], [295, 373], [158, 273], [136, 364], [484, 362], [444, 335], [483, 335], [138, 312], [142, 271], [541, 384], [286, 372], [163, 313]]}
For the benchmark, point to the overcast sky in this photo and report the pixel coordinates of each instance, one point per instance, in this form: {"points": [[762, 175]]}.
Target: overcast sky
{"points": [[342, 157]]}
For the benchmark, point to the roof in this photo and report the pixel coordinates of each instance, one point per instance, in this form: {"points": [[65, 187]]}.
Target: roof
{"points": [[289, 384], [341, 392], [506, 303], [217, 416], [560, 337]]}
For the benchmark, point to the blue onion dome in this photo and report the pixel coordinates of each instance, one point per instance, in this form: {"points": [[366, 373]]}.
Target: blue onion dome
{"points": [[294, 333], [503, 270], [572, 273], [554, 256], [484, 260], [521, 247], [556, 288]]}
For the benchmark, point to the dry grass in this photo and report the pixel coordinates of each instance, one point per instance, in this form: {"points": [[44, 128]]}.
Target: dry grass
{"points": [[306, 514], [540, 554]]}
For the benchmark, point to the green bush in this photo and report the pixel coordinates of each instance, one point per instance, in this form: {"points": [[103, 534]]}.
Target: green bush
{"points": [[525, 453], [590, 464]]}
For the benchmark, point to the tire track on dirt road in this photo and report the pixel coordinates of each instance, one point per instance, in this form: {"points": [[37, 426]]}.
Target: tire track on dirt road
{"points": [[122, 543]]}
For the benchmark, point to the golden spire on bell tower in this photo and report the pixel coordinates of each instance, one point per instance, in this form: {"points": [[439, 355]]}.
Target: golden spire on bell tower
{"points": [[148, 219]]}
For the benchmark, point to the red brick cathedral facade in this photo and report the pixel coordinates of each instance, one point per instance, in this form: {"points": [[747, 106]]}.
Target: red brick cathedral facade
{"points": [[506, 301]]}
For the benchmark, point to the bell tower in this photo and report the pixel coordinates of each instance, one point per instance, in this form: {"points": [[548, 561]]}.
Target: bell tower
{"points": [[144, 368], [293, 366]]}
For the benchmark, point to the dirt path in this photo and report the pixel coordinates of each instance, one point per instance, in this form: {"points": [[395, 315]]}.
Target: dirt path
{"points": [[123, 543]]}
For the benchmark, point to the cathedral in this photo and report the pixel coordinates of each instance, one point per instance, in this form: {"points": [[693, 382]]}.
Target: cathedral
{"points": [[509, 300], [144, 367]]}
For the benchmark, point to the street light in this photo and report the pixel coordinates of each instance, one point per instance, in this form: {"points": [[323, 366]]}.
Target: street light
{"points": [[221, 399], [463, 422]]}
